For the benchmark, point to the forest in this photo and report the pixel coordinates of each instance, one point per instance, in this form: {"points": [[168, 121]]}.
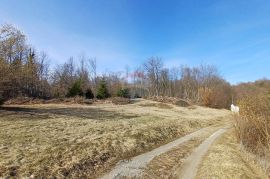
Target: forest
{"points": [[25, 72]]}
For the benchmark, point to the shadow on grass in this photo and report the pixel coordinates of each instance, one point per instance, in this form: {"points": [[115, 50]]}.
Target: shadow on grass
{"points": [[41, 113]]}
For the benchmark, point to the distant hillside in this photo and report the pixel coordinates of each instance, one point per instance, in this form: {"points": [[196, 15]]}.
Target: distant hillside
{"points": [[261, 86]]}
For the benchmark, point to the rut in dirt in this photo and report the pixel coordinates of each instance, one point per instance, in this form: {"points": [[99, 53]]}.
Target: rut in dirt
{"points": [[191, 164], [135, 166]]}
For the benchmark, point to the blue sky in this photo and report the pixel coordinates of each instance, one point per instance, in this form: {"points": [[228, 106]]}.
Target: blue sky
{"points": [[234, 35]]}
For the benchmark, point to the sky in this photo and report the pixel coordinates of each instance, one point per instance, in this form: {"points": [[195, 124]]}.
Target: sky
{"points": [[233, 35]]}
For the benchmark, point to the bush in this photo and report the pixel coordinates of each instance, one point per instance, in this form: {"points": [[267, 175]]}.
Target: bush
{"points": [[205, 95], [136, 95], [124, 93], [102, 92], [89, 94], [88, 101], [76, 89], [218, 96], [120, 100], [253, 124], [182, 103], [1, 100], [171, 100]]}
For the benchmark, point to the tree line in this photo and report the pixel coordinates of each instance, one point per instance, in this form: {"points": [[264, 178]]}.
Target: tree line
{"points": [[25, 72]]}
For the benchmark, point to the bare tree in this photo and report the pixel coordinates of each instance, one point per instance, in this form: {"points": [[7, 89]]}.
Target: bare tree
{"points": [[43, 74], [63, 77], [174, 75], [164, 82], [12, 43], [83, 72], [13, 55], [153, 68], [189, 83], [93, 73]]}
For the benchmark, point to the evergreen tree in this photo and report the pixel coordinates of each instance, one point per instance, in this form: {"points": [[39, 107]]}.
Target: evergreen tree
{"points": [[123, 93], [1, 100], [102, 92], [76, 89], [89, 94]]}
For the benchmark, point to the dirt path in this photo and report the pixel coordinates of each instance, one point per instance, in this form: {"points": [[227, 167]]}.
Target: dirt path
{"points": [[135, 166], [190, 166]]}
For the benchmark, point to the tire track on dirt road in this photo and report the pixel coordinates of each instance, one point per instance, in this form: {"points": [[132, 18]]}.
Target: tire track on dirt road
{"points": [[135, 166], [192, 162]]}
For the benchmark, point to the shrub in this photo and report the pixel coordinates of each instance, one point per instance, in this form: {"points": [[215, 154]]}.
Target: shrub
{"points": [[76, 89], [205, 96], [89, 94], [218, 96], [182, 103], [88, 101], [253, 124], [123, 93], [136, 95], [74, 100], [120, 100], [102, 92], [1, 100]]}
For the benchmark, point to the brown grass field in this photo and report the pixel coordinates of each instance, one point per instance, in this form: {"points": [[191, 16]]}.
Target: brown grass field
{"points": [[228, 159], [56, 140]]}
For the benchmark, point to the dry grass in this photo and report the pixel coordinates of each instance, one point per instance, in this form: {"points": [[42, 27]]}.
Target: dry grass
{"points": [[77, 140], [226, 159], [158, 105], [120, 101], [167, 164], [253, 126], [31, 101], [171, 100]]}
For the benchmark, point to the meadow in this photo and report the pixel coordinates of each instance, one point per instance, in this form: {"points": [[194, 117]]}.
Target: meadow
{"points": [[61, 140]]}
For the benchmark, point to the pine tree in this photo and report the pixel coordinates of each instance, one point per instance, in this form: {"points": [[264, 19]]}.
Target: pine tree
{"points": [[89, 94], [76, 89], [123, 93], [102, 92]]}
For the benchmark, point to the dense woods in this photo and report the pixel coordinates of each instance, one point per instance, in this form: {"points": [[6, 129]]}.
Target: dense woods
{"points": [[24, 72]]}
